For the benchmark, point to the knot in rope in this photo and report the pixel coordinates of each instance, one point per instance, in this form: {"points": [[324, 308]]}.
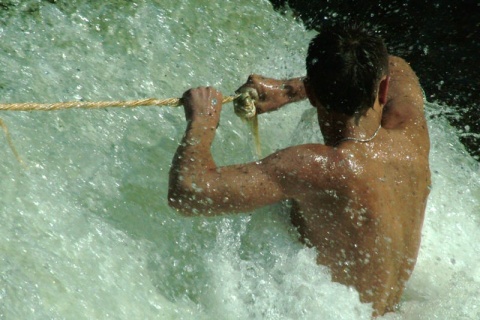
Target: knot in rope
{"points": [[244, 103]]}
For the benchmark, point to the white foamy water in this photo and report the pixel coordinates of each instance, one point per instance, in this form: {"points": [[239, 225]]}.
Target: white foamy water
{"points": [[86, 232]]}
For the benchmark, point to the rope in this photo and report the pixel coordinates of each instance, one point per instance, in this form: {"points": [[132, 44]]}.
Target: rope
{"points": [[10, 142], [244, 106], [172, 102]]}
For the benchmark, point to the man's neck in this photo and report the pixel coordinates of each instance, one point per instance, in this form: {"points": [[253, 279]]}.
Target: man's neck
{"points": [[340, 128]]}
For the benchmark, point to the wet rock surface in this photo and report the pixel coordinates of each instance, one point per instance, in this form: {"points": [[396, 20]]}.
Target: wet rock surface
{"points": [[441, 40]]}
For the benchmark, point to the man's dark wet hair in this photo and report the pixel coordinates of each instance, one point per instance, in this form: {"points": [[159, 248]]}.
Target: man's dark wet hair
{"points": [[344, 67]]}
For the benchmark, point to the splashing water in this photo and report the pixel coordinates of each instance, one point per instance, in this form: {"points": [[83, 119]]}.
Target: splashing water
{"points": [[86, 232]]}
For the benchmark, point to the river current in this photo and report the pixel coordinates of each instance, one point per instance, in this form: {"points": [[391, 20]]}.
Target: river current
{"points": [[86, 232]]}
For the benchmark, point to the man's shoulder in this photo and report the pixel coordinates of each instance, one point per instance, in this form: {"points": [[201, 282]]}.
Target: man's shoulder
{"points": [[405, 97], [305, 153], [306, 162]]}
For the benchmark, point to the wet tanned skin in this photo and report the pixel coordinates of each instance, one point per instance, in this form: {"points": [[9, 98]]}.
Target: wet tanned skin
{"points": [[360, 204]]}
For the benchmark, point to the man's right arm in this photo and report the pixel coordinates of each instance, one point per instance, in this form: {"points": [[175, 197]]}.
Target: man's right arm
{"points": [[273, 93], [404, 101], [405, 97]]}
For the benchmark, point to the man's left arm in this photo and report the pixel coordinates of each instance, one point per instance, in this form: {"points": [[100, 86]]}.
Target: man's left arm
{"points": [[197, 185]]}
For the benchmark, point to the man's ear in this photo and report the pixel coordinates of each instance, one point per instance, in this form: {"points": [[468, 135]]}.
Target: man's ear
{"points": [[383, 90]]}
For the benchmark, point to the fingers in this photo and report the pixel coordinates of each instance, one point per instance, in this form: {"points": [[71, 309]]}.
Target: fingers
{"points": [[202, 102], [203, 93]]}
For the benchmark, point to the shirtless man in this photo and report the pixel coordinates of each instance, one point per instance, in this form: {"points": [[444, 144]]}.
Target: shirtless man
{"points": [[360, 198]]}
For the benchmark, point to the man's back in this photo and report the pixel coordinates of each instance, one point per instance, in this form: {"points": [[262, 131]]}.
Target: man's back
{"points": [[366, 218]]}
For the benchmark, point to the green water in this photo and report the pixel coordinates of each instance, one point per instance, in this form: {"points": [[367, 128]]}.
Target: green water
{"points": [[86, 231]]}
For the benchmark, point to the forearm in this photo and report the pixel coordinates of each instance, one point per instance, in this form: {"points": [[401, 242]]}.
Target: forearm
{"points": [[285, 92], [274, 93], [192, 161], [294, 90]]}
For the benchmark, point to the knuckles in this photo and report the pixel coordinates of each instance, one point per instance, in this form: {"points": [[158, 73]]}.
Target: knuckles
{"points": [[201, 101]]}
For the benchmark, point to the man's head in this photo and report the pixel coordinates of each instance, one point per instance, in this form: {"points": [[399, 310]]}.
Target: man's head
{"points": [[344, 68]]}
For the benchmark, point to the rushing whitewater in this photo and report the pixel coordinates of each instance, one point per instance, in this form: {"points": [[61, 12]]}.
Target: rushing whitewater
{"points": [[86, 232]]}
